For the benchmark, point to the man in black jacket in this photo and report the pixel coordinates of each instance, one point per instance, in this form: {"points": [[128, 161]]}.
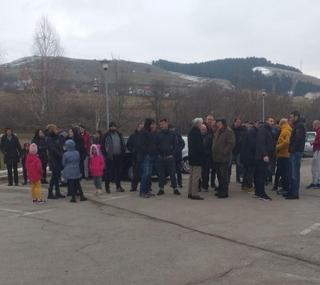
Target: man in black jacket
{"points": [[239, 132], [247, 155], [178, 154], [296, 149], [146, 155], [113, 150], [132, 146], [166, 144], [265, 149], [208, 165], [11, 149], [196, 158]]}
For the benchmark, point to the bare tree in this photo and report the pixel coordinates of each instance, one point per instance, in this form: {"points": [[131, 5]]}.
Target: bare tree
{"points": [[47, 49]]}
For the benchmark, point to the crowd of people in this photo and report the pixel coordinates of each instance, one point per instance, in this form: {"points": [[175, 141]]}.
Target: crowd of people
{"points": [[260, 151]]}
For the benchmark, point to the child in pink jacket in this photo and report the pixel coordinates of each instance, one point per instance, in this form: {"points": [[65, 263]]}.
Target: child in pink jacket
{"points": [[96, 167]]}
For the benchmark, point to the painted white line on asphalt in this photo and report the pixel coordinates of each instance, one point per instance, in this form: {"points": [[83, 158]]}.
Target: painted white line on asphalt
{"points": [[310, 229], [37, 212], [20, 213], [11, 211], [114, 198]]}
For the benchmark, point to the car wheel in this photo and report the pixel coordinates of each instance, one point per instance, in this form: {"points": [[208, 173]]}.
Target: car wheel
{"points": [[185, 165]]}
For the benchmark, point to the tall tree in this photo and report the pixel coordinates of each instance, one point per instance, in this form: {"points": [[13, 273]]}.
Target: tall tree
{"points": [[47, 49]]}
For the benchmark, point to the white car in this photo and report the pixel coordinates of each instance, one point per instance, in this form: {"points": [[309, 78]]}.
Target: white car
{"points": [[308, 148]]}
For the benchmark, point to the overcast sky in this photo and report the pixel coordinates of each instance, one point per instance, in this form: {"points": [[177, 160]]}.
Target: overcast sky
{"points": [[284, 31]]}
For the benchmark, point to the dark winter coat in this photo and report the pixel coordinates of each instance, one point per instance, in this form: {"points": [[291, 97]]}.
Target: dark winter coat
{"points": [[265, 145], [207, 145], [146, 145], [55, 151], [298, 137], [11, 149], [166, 142], [224, 142], [107, 146], [195, 147], [238, 133], [42, 148], [71, 161], [80, 146], [248, 147], [132, 144]]}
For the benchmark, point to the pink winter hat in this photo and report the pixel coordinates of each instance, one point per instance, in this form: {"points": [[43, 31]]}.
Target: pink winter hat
{"points": [[33, 149]]}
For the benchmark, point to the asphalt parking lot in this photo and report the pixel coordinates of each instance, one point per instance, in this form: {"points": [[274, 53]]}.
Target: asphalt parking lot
{"points": [[122, 239]]}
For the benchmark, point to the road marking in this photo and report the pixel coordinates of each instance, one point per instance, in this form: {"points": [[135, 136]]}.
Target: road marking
{"points": [[37, 212], [114, 198], [310, 229], [11, 211], [20, 213]]}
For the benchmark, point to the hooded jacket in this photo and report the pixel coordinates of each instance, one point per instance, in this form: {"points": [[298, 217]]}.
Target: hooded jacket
{"points": [[34, 167], [146, 142], [71, 161], [284, 141], [96, 162]]}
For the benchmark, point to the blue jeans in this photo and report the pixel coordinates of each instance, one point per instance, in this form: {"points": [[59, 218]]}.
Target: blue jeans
{"points": [[295, 163], [146, 173]]}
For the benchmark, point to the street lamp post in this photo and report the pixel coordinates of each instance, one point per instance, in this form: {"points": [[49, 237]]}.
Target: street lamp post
{"points": [[263, 93], [105, 66]]}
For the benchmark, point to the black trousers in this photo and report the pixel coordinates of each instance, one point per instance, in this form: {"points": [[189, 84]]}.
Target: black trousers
{"points": [[12, 167], [82, 166], [223, 176], [74, 187], [248, 174], [25, 173], [44, 170], [166, 166], [54, 181], [113, 171], [178, 167], [260, 175], [283, 169], [136, 174], [205, 173]]}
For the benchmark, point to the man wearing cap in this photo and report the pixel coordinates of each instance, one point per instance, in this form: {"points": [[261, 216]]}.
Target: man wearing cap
{"points": [[113, 149], [224, 141]]}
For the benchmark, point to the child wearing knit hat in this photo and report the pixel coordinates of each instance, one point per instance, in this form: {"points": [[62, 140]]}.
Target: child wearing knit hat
{"points": [[34, 169]]}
